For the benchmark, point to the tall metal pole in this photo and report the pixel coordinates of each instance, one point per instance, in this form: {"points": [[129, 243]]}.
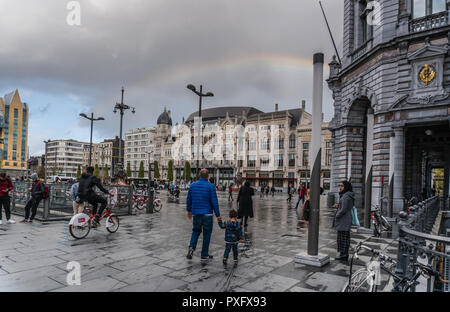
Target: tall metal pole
{"points": [[121, 165], [200, 141], [90, 144], [313, 257]]}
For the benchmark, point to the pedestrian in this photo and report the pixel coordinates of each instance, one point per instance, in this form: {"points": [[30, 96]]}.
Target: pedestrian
{"points": [[201, 203], [78, 205], [267, 191], [289, 194], [233, 233], [230, 193], [261, 189], [5, 201], [245, 202], [37, 194], [343, 218], [301, 194]]}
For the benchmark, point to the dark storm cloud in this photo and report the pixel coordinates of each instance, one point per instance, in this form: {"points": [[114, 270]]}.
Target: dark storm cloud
{"points": [[154, 48]]}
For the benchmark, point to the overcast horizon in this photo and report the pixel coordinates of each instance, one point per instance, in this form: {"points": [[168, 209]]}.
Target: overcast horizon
{"points": [[248, 53]]}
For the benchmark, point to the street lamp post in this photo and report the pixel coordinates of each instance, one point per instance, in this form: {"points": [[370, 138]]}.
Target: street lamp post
{"points": [[46, 161], [201, 95], [149, 186], [122, 107], [92, 119]]}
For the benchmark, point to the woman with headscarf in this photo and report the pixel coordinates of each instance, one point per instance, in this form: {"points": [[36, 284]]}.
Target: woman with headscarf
{"points": [[343, 218], [245, 202]]}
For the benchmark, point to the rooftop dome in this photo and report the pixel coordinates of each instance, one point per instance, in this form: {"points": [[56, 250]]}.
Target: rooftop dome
{"points": [[165, 118]]}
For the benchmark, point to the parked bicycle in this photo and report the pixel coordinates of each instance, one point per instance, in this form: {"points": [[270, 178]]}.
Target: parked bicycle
{"points": [[368, 279], [379, 222], [80, 224]]}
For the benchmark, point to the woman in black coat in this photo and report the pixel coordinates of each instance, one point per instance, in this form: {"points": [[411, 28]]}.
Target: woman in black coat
{"points": [[245, 202], [343, 218]]}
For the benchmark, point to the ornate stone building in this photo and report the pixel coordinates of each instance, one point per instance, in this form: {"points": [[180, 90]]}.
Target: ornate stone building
{"points": [[392, 101]]}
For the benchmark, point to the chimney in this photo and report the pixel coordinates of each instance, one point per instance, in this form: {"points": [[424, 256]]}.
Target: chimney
{"points": [[303, 105], [276, 107], [168, 113]]}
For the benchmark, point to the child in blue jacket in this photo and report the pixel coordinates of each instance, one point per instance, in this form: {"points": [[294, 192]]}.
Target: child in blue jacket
{"points": [[233, 233]]}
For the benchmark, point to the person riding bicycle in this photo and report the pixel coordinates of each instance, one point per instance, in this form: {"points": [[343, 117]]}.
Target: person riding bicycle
{"points": [[86, 193]]}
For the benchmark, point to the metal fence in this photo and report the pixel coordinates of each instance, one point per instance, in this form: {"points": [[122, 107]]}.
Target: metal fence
{"points": [[59, 204], [423, 238]]}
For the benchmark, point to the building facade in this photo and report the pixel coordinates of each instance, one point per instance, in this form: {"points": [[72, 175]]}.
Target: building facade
{"points": [[392, 103], [104, 154], [63, 157], [138, 143], [14, 134]]}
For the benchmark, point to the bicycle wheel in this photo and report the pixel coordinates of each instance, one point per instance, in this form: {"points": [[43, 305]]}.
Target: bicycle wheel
{"points": [[360, 282], [157, 205], [114, 220], [80, 232], [140, 204]]}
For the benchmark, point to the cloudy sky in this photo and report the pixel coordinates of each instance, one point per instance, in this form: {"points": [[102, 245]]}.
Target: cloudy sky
{"points": [[248, 52]]}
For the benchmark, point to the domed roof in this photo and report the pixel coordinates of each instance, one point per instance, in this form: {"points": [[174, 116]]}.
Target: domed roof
{"points": [[164, 118]]}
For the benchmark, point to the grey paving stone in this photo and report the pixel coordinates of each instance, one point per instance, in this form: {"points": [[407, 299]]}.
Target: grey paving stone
{"points": [[97, 285], [326, 282], [141, 274], [156, 284], [32, 264], [270, 282], [134, 263]]}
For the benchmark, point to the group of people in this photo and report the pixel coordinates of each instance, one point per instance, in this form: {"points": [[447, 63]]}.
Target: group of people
{"points": [[202, 205], [265, 190]]}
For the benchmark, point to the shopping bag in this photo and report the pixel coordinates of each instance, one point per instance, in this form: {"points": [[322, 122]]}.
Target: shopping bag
{"points": [[355, 220]]}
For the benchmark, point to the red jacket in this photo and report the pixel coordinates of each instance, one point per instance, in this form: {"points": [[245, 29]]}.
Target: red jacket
{"points": [[302, 192], [5, 186]]}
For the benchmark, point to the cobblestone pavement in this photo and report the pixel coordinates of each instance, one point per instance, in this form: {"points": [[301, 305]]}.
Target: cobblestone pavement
{"points": [[148, 253]]}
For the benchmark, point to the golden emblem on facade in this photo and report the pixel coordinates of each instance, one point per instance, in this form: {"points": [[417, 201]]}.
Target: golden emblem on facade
{"points": [[427, 74]]}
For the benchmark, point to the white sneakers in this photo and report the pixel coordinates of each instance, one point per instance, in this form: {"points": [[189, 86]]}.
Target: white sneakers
{"points": [[10, 221]]}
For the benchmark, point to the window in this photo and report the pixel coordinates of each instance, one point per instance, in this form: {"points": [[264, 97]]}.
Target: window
{"points": [[265, 144], [328, 154], [280, 143], [14, 156], [292, 140], [252, 145], [280, 160], [291, 160], [421, 8], [16, 113], [365, 30], [251, 161], [15, 135], [305, 155], [264, 161], [15, 146], [15, 123]]}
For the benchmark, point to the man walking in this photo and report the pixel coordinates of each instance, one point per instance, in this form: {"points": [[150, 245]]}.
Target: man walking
{"points": [[201, 202], [37, 194], [230, 193], [301, 194], [5, 187]]}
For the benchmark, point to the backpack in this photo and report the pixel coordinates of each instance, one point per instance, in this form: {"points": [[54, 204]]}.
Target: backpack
{"points": [[306, 210], [83, 186], [46, 193]]}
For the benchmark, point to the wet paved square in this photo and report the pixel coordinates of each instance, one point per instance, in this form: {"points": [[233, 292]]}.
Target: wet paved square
{"points": [[148, 254]]}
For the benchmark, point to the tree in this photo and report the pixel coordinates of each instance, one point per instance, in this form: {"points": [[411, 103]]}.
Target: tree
{"points": [[128, 170], [41, 172], [187, 171], [79, 172], [106, 172], [96, 171], [157, 175], [170, 171], [141, 173]]}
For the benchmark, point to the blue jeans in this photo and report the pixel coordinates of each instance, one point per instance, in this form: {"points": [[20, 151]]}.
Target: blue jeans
{"points": [[205, 224], [299, 199], [228, 249]]}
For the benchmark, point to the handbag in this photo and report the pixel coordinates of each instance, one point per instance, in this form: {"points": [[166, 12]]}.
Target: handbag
{"points": [[355, 220]]}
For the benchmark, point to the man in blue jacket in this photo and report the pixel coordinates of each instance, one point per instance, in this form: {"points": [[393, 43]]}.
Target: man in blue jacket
{"points": [[201, 202]]}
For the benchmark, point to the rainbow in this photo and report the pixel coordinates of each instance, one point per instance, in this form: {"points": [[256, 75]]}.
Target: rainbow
{"points": [[273, 60]]}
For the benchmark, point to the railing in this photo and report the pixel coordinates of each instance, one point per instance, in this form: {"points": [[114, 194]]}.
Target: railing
{"points": [[429, 22], [415, 241], [59, 204]]}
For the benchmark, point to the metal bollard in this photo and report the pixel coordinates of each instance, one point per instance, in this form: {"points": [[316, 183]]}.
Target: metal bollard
{"points": [[150, 200]]}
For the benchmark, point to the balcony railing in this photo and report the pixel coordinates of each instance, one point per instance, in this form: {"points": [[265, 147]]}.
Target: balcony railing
{"points": [[429, 22]]}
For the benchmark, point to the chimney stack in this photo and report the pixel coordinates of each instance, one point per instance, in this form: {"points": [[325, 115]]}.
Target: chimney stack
{"points": [[303, 105], [276, 107]]}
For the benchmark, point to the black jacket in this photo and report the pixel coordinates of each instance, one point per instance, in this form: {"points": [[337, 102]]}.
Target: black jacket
{"points": [[37, 189], [87, 183], [245, 202]]}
